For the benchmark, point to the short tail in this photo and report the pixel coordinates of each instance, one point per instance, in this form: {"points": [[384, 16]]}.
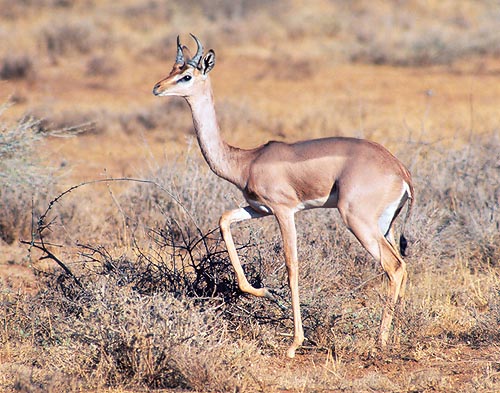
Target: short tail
{"points": [[403, 243]]}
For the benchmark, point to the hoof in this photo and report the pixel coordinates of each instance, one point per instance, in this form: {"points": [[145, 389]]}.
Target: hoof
{"points": [[290, 353]]}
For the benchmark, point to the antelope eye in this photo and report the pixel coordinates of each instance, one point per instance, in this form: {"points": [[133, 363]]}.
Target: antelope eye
{"points": [[185, 79]]}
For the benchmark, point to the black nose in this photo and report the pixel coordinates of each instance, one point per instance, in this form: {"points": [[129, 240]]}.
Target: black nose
{"points": [[155, 89]]}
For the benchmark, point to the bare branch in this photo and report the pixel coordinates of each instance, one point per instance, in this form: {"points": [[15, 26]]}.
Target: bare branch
{"points": [[42, 225]]}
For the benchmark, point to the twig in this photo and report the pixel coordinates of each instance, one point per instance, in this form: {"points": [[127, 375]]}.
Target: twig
{"points": [[41, 246]]}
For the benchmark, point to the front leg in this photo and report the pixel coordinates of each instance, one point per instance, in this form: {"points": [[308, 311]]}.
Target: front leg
{"points": [[226, 220], [286, 221]]}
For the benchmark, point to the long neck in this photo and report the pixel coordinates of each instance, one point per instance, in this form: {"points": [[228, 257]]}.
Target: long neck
{"points": [[224, 160]]}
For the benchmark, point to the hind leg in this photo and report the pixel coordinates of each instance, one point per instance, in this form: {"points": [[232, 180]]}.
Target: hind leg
{"points": [[369, 235], [392, 242], [395, 268]]}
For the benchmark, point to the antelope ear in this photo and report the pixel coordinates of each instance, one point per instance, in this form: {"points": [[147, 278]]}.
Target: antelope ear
{"points": [[208, 62]]}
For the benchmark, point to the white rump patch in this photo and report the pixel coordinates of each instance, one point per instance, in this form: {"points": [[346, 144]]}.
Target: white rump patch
{"points": [[384, 221]]}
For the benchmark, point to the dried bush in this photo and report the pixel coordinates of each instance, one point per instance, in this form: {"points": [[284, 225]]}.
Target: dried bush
{"points": [[13, 9], [415, 49], [110, 335], [418, 36], [17, 67], [228, 9], [67, 122], [76, 37], [101, 66], [454, 234], [178, 286], [460, 203], [23, 183], [158, 116]]}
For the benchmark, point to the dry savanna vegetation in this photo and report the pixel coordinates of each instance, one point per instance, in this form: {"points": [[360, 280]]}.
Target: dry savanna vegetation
{"points": [[113, 274]]}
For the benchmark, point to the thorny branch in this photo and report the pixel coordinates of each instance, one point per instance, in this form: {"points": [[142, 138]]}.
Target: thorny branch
{"points": [[43, 226]]}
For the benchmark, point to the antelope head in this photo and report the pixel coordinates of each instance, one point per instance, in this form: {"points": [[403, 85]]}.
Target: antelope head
{"points": [[187, 72]]}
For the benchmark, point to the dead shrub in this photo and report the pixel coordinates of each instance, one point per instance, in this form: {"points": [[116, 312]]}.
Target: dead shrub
{"points": [[411, 35], [110, 335], [101, 66], [39, 3], [460, 203], [227, 9], [487, 320], [17, 67], [454, 235], [178, 287], [167, 116], [60, 39], [67, 122], [24, 185]]}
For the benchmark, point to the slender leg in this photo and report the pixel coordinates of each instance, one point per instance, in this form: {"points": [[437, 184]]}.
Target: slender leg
{"points": [[286, 222], [397, 254], [395, 269], [226, 220], [394, 266], [400, 301]]}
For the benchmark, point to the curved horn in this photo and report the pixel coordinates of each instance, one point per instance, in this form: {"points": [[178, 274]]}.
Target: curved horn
{"points": [[199, 52], [179, 59]]}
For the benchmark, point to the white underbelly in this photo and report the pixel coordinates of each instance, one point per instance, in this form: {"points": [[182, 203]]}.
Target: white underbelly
{"points": [[326, 202]]}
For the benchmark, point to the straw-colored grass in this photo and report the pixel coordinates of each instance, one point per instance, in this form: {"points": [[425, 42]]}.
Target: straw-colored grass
{"points": [[154, 304]]}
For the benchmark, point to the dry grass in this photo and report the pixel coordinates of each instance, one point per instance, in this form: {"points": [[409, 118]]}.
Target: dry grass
{"points": [[158, 307], [161, 300], [422, 34], [91, 339], [24, 183]]}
